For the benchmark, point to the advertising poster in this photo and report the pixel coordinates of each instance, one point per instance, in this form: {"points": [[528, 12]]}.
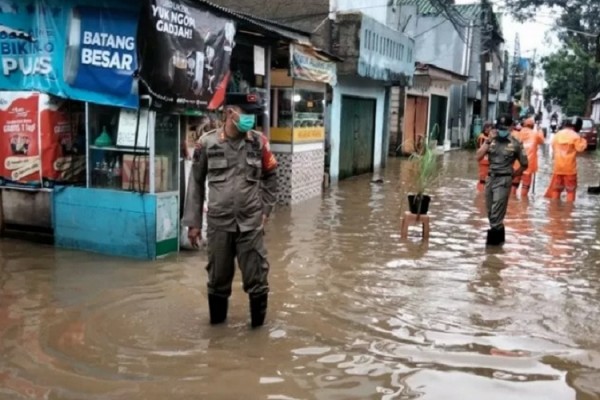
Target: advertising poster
{"points": [[185, 54], [19, 140], [78, 49], [306, 64], [62, 138]]}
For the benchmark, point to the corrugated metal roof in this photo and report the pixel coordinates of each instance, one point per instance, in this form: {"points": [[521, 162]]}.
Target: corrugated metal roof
{"points": [[424, 7], [261, 24]]}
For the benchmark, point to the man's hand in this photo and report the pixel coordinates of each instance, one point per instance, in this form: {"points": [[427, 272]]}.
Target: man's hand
{"points": [[265, 220], [194, 237], [518, 172]]}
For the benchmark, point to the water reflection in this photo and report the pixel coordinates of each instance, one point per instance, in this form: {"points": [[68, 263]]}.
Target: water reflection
{"points": [[356, 313]]}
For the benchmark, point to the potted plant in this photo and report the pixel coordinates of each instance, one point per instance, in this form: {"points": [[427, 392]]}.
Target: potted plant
{"points": [[427, 172]]}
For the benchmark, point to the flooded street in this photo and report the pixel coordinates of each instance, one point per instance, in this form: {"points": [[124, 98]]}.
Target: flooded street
{"points": [[355, 312]]}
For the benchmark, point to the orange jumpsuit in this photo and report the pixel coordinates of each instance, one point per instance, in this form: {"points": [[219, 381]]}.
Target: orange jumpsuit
{"points": [[531, 141], [565, 146], [484, 164], [516, 133]]}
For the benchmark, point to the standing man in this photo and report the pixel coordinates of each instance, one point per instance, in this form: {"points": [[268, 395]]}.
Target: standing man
{"points": [[484, 163], [502, 150], [241, 173], [566, 144], [531, 140]]}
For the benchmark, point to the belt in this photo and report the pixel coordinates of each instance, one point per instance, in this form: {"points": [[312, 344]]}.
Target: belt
{"points": [[494, 175]]}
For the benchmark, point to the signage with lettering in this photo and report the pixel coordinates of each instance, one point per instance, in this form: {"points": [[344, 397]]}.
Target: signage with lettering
{"points": [[79, 49], [306, 64], [185, 52]]}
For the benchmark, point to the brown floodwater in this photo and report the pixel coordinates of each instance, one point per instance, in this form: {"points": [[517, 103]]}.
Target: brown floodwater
{"points": [[355, 312]]}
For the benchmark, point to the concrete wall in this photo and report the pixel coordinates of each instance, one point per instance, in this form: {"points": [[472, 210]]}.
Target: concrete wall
{"points": [[438, 43], [358, 87]]}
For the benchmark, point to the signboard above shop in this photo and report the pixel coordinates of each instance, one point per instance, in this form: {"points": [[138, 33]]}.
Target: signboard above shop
{"points": [[185, 52], [79, 49], [308, 65]]}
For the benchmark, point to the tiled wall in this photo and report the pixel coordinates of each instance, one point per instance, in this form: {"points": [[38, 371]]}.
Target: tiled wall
{"points": [[300, 176]]}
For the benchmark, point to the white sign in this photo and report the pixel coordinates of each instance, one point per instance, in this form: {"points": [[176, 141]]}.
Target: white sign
{"points": [[259, 61], [128, 122]]}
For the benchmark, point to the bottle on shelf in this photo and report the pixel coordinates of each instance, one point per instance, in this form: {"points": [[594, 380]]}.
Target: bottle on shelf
{"points": [[117, 181]]}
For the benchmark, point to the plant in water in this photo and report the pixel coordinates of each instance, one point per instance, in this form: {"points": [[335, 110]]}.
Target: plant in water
{"points": [[426, 174]]}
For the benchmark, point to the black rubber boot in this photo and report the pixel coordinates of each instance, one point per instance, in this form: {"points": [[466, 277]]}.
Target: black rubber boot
{"points": [[501, 235], [218, 309], [495, 237], [258, 310]]}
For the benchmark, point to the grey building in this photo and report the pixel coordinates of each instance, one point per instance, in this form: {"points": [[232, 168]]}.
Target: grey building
{"points": [[456, 43]]}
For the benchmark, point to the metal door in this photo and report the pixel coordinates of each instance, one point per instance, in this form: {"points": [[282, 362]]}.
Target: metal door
{"points": [[439, 108], [357, 136]]}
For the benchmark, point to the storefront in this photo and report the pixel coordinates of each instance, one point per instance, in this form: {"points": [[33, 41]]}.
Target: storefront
{"points": [[298, 110], [102, 171]]}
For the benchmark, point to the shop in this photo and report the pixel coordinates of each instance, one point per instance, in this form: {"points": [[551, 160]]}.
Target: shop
{"points": [[298, 110], [427, 108], [103, 171]]}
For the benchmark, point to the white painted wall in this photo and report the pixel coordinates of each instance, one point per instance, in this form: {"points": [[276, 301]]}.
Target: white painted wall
{"points": [[367, 7], [359, 88]]}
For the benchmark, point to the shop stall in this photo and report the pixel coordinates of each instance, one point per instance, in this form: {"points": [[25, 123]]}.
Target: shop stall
{"points": [[298, 109], [129, 205]]}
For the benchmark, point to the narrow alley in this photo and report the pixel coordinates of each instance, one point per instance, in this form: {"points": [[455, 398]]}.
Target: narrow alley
{"points": [[356, 312]]}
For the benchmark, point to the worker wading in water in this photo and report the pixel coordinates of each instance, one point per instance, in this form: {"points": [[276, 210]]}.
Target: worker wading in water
{"points": [[531, 140], [484, 163], [502, 150], [241, 173], [566, 144]]}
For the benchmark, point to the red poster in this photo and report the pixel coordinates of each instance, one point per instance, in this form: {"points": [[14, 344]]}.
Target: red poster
{"points": [[19, 143], [62, 136]]}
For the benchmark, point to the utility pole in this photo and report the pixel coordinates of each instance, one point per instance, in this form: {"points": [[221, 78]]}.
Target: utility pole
{"points": [[485, 84]]}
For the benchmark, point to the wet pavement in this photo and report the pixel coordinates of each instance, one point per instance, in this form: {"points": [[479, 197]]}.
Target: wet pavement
{"points": [[355, 312]]}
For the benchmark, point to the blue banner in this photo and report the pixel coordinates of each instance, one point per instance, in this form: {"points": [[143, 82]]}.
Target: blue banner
{"points": [[79, 49]]}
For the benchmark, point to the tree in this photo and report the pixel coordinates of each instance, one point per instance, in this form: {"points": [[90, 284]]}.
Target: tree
{"points": [[571, 73], [573, 79]]}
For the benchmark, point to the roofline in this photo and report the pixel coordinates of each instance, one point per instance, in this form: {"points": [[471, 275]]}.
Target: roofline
{"points": [[260, 23], [426, 66]]}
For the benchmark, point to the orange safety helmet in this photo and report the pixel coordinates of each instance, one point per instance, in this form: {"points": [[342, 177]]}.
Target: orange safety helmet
{"points": [[529, 123]]}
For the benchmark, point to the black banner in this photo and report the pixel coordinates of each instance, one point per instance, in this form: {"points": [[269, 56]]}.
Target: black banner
{"points": [[186, 53]]}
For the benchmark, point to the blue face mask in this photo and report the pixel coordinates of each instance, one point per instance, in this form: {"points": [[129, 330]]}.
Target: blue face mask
{"points": [[502, 133], [245, 123]]}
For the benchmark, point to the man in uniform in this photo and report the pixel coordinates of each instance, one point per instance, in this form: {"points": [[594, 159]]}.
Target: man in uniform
{"points": [[241, 173], [502, 150], [566, 144]]}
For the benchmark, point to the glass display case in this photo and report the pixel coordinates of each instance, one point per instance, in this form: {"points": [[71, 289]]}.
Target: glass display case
{"points": [[122, 142]]}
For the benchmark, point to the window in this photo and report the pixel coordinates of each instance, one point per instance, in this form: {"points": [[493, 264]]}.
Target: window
{"points": [[381, 45], [368, 40], [587, 124]]}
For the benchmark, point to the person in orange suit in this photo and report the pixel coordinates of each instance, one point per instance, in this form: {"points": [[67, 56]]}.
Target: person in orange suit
{"points": [[484, 164], [566, 144], [531, 140]]}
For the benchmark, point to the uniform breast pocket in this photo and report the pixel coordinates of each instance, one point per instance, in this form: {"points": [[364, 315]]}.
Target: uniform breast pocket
{"points": [[217, 168], [254, 172]]}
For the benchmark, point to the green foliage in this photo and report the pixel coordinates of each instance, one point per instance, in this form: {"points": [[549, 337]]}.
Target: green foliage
{"points": [[573, 78], [572, 74], [427, 168]]}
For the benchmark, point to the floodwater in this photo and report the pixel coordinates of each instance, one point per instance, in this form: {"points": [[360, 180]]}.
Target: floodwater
{"points": [[355, 312]]}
